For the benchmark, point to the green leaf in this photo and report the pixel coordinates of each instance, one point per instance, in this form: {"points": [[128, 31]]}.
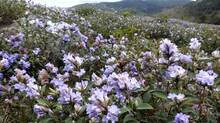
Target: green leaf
{"points": [[188, 110], [82, 120], [137, 101], [47, 120], [43, 90], [190, 101], [42, 102], [130, 119], [142, 89], [144, 106], [146, 97], [159, 94], [161, 116], [1, 119], [82, 110], [69, 120], [58, 107], [124, 110]]}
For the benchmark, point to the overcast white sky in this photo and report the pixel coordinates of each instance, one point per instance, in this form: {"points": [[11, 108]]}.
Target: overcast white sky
{"points": [[68, 3]]}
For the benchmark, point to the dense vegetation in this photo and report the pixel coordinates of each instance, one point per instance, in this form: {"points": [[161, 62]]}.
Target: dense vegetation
{"points": [[138, 7], [11, 10], [86, 65], [201, 11]]}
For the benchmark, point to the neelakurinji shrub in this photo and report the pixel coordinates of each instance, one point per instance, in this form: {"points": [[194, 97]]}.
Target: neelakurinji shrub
{"points": [[85, 11], [179, 32], [11, 10], [60, 69]]}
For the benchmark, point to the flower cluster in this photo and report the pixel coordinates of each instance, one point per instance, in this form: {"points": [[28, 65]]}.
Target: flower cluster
{"points": [[65, 68]]}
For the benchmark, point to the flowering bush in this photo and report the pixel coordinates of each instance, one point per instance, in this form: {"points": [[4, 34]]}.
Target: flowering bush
{"points": [[58, 68], [11, 10]]}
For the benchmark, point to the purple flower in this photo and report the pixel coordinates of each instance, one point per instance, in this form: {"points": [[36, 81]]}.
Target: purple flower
{"points": [[1, 76], [64, 77], [133, 68], [5, 55], [84, 38], [50, 97], [93, 111], [50, 67], [10, 57], [99, 96], [41, 111], [80, 73], [178, 97], [168, 48], [185, 58], [112, 39], [112, 115], [20, 86], [216, 54], [99, 38], [57, 82], [30, 89], [181, 118], [25, 57], [206, 77], [147, 54], [97, 80], [36, 51], [13, 58], [194, 44], [24, 64], [1, 53], [107, 88], [16, 40], [175, 71], [66, 38], [80, 86], [73, 59], [123, 81], [74, 27], [67, 95], [120, 96], [68, 67], [111, 60], [13, 79], [109, 69], [38, 23], [76, 97], [5, 63], [64, 98]]}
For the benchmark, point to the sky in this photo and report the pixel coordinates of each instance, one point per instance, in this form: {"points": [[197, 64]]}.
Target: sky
{"points": [[68, 3]]}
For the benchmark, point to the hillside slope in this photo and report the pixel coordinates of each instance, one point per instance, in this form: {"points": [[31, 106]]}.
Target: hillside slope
{"points": [[203, 11], [141, 7]]}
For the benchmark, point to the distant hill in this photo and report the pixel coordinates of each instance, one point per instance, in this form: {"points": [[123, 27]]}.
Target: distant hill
{"points": [[201, 11], [141, 7]]}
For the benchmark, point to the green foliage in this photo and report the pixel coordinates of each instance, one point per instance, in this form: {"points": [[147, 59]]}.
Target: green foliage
{"points": [[140, 7], [155, 28], [127, 13], [86, 11], [127, 31], [11, 10], [201, 11]]}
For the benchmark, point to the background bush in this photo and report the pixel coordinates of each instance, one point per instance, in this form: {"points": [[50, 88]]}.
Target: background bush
{"points": [[11, 10]]}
